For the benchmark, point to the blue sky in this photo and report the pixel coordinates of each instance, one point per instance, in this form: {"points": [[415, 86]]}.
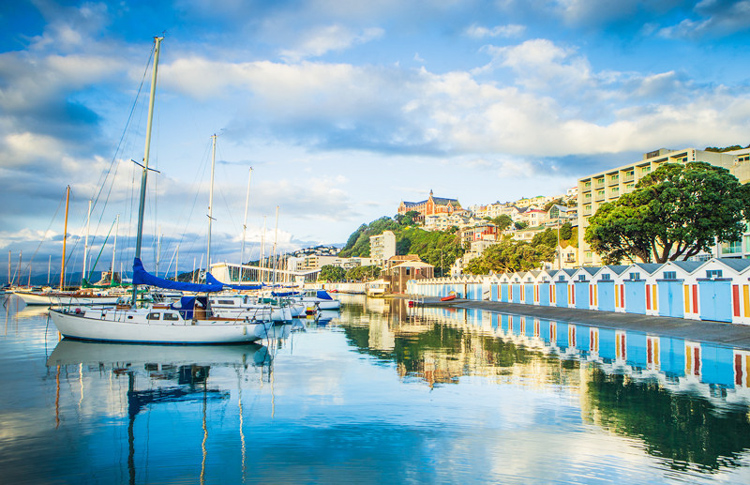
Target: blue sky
{"points": [[343, 109]]}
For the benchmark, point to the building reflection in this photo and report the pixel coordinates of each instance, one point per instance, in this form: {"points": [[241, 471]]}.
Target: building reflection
{"points": [[687, 401]]}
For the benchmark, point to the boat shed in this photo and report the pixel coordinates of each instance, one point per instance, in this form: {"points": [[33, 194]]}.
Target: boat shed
{"points": [[637, 299], [720, 287], [584, 290], [564, 290], [674, 282], [605, 288]]}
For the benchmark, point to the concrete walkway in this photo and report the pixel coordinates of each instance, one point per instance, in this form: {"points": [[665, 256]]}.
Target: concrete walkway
{"points": [[731, 335]]}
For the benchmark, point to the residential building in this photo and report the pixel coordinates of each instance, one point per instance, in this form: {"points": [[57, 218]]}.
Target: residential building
{"points": [[382, 247], [480, 232], [608, 186]]}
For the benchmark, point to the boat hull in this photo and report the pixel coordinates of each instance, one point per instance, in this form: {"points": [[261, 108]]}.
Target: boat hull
{"points": [[41, 299], [85, 326]]}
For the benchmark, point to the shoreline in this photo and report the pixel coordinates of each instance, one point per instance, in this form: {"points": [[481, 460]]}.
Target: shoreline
{"points": [[728, 334]]}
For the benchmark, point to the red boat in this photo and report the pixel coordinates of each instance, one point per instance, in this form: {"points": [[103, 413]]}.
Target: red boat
{"points": [[448, 298]]}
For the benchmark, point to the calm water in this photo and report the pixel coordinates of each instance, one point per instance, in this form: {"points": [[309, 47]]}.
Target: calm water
{"points": [[380, 393]]}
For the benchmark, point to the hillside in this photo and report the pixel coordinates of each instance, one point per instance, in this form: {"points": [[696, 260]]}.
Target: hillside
{"points": [[437, 248]]}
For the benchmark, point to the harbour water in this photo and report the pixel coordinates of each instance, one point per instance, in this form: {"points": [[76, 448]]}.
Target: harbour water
{"points": [[378, 393]]}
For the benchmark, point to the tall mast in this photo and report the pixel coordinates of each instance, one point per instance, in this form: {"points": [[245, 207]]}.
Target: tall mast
{"points": [[275, 240], [158, 251], [65, 238], [10, 281], [211, 203], [86, 243], [261, 264], [114, 252], [244, 223], [144, 175]]}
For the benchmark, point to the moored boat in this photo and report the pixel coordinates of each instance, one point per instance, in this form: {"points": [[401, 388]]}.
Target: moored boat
{"points": [[191, 321]]}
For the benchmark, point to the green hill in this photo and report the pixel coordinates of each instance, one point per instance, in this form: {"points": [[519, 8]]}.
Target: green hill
{"points": [[438, 248]]}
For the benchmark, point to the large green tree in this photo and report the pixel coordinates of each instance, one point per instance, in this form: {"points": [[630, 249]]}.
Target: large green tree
{"points": [[331, 273], [674, 212], [509, 256], [363, 273]]}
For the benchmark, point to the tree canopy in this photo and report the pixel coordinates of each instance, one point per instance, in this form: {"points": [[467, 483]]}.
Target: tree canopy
{"points": [[674, 212], [509, 256], [332, 274]]}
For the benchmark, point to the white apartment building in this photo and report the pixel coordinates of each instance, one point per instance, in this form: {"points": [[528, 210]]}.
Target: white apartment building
{"points": [[382, 247], [607, 186]]}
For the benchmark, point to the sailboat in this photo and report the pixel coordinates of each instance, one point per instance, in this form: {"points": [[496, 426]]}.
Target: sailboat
{"points": [[47, 296], [189, 321]]}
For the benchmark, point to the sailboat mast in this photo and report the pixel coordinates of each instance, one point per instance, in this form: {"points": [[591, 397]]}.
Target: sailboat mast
{"points": [[114, 251], [244, 223], [211, 202], [86, 243], [275, 241], [65, 238], [10, 281], [144, 175]]}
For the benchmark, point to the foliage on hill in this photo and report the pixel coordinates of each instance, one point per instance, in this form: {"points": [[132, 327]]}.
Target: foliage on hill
{"points": [[438, 248], [509, 255]]}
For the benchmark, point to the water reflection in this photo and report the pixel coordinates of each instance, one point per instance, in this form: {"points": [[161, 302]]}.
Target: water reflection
{"points": [[686, 401], [159, 375]]}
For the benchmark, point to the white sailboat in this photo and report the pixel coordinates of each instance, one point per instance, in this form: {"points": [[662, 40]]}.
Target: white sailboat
{"points": [[190, 321]]}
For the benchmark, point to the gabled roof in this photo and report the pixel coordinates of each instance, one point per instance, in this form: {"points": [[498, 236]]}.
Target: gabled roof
{"points": [[736, 264], [649, 268], [687, 266], [592, 270]]}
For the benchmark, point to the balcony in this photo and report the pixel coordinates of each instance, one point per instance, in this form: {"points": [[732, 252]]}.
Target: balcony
{"points": [[599, 183]]}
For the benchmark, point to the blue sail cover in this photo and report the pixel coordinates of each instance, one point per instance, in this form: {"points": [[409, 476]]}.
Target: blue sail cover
{"points": [[211, 280], [143, 277]]}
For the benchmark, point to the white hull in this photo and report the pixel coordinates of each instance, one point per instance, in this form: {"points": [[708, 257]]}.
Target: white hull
{"points": [[67, 300], [112, 325]]}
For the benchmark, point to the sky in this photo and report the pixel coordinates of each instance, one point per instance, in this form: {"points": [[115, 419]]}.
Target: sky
{"points": [[342, 110]]}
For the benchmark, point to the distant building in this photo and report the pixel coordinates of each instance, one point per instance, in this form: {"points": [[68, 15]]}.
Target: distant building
{"points": [[382, 247], [433, 205]]}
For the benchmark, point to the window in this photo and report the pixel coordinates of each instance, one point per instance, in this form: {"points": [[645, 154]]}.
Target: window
{"points": [[606, 277], [635, 276], [153, 316], [731, 247], [670, 275], [226, 302], [171, 316], [561, 278], [713, 273], [581, 277]]}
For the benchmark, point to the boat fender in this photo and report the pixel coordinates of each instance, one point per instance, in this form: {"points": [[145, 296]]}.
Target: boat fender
{"points": [[78, 311]]}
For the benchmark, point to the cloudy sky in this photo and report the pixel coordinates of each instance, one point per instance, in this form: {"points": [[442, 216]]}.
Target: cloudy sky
{"points": [[342, 109]]}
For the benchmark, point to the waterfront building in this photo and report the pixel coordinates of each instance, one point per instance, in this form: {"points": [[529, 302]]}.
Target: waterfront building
{"points": [[608, 186], [382, 247], [432, 205], [398, 275]]}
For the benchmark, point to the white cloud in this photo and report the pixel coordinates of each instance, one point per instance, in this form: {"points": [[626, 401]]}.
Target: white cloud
{"points": [[715, 19], [332, 38], [510, 30]]}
